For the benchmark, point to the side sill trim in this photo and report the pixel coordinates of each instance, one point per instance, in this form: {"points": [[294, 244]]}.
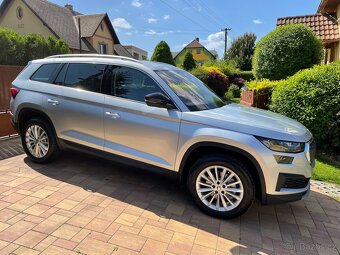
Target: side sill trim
{"points": [[118, 159]]}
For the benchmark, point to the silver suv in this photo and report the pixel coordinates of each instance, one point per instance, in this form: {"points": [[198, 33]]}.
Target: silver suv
{"points": [[159, 117]]}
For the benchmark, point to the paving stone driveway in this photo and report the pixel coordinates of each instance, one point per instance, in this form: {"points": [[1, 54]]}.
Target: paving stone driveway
{"points": [[80, 205]]}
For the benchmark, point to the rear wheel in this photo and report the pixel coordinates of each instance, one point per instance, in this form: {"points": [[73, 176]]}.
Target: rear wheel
{"points": [[38, 141], [221, 186]]}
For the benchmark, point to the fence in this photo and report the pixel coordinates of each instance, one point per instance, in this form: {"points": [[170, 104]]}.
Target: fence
{"points": [[7, 75]]}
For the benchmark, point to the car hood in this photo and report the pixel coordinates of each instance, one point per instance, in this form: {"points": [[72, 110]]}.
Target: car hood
{"points": [[251, 121]]}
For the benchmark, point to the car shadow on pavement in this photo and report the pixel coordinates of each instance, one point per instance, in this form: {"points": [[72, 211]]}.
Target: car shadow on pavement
{"points": [[303, 226]]}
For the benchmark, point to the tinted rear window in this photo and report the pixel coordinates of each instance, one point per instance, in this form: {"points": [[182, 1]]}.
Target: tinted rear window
{"points": [[44, 73], [84, 76]]}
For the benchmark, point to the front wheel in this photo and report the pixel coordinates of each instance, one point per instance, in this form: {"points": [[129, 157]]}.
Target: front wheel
{"points": [[221, 186]]}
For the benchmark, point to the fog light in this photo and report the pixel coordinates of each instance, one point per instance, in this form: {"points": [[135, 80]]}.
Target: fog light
{"points": [[283, 159]]}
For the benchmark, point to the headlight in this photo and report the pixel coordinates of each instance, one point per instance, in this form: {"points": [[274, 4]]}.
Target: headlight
{"points": [[282, 146]]}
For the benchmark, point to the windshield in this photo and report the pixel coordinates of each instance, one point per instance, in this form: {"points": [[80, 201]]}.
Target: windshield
{"points": [[193, 92]]}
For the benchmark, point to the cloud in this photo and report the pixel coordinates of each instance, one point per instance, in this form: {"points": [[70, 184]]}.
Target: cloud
{"points": [[214, 41], [150, 32], [128, 33], [257, 21], [166, 16], [152, 20], [153, 32], [121, 23], [136, 3]]}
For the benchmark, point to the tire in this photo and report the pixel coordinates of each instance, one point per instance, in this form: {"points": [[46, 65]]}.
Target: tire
{"points": [[201, 188], [47, 145]]}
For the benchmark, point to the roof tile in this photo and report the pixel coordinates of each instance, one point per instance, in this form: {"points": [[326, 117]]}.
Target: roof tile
{"points": [[325, 26]]}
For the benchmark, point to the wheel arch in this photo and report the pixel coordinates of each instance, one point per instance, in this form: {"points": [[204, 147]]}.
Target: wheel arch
{"points": [[27, 113], [207, 148]]}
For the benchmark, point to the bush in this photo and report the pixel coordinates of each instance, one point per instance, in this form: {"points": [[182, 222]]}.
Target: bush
{"points": [[218, 82], [201, 73], [261, 85], [242, 51], [162, 54], [12, 47], [286, 50], [312, 97], [18, 50], [228, 68], [235, 90], [247, 75], [213, 77], [189, 61]]}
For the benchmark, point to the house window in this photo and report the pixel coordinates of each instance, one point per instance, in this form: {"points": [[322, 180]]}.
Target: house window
{"points": [[102, 48], [19, 12], [198, 51], [135, 55]]}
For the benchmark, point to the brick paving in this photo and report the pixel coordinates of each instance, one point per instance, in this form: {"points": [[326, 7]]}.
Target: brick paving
{"points": [[10, 147], [82, 205]]}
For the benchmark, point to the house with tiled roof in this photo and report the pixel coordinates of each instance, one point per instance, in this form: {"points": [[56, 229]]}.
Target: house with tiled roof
{"points": [[325, 23], [198, 51], [92, 33]]}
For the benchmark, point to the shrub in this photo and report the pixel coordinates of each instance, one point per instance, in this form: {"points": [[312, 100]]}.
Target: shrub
{"points": [[238, 81], [18, 50], [242, 51], [218, 82], [162, 54], [261, 85], [189, 61], [235, 90], [247, 75], [213, 77], [12, 47], [201, 73], [228, 68], [286, 50], [312, 97]]}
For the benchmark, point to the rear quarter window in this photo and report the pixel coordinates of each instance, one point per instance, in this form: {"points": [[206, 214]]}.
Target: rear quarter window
{"points": [[45, 73]]}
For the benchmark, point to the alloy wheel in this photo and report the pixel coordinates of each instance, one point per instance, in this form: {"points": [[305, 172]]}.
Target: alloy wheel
{"points": [[37, 141], [219, 188]]}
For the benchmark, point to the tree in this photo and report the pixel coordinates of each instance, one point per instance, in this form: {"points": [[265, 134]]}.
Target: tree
{"points": [[189, 61], [286, 50], [242, 51], [162, 53]]}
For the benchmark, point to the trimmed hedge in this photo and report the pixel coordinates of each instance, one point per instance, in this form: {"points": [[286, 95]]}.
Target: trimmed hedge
{"points": [[312, 97], [285, 51], [18, 50], [263, 84], [247, 75]]}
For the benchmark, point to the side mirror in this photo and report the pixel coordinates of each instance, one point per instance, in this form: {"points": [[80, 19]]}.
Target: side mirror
{"points": [[160, 100]]}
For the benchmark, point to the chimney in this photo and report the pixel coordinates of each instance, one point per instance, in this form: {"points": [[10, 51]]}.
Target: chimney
{"points": [[69, 6], [197, 39]]}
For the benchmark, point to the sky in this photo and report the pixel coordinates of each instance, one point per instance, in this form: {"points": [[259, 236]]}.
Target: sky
{"points": [[144, 23]]}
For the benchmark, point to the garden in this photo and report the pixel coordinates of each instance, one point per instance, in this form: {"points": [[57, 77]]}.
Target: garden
{"points": [[283, 73]]}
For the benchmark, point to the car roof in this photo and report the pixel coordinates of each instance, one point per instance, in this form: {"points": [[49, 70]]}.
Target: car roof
{"points": [[104, 59]]}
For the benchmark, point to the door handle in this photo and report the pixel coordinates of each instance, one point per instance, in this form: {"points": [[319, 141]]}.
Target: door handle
{"points": [[112, 115], [52, 102]]}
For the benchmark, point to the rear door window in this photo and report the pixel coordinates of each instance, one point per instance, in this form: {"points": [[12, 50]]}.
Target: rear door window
{"points": [[45, 73], [84, 76]]}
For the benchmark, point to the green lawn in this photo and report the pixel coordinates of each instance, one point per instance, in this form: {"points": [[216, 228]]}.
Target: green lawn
{"points": [[326, 170]]}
